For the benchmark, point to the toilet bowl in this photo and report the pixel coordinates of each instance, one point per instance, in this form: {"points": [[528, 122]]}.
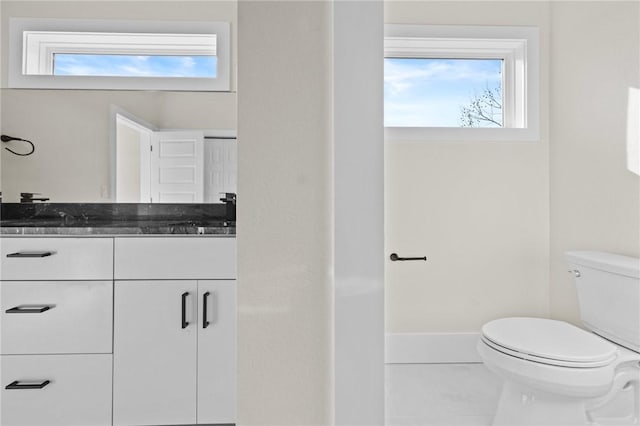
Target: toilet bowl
{"points": [[557, 374], [553, 372]]}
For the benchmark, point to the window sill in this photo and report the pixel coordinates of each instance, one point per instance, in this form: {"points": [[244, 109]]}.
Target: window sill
{"points": [[462, 134]]}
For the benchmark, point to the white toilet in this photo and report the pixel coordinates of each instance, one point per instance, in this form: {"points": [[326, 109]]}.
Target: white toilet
{"points": [[557, 374]]}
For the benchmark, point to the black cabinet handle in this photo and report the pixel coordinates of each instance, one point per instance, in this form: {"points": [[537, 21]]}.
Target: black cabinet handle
{"points": [[30, 254], [18, 386], [205, 322], [395, 258], [184, 309], [28, 309]]}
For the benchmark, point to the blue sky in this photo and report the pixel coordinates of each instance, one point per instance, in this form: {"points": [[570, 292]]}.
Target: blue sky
{"points": [[430, 92], [135, 66], [417, 92]]}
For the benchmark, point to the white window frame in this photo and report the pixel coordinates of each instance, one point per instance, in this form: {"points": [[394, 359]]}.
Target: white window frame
{"points": [[34, 42], [518, 47], [40, 47]]}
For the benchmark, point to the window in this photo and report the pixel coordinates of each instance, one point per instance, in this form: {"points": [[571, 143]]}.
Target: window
{"points": [[438, 92], [461, 83], [81, 54], [111, 65]]}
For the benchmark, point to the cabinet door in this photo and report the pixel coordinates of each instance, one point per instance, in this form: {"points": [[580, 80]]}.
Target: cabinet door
{"points": [[155, 343], [217, 351]]}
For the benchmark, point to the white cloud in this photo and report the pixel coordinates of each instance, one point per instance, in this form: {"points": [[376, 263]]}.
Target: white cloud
{"points": [[123, 65], [402, 75], [188, 62], [422, 114], [73, 69]]}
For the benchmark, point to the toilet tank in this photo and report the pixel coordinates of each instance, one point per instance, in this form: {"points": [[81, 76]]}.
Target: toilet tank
{"points": [[608, 288]]}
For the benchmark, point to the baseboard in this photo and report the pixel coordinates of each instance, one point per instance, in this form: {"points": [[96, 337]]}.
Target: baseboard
{"points": [[431, 348]]}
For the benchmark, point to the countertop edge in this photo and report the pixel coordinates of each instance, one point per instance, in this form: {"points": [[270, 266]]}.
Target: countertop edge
{"points": [[9, 231]]}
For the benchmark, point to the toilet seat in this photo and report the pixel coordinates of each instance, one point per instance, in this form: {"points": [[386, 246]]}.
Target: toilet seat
{"points": [[548, 342]]}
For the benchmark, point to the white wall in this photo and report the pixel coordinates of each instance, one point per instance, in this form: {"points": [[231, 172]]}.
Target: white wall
{"points": [[310, 224], [284, 232], [595, 200], [72, 126], [495, 219], [478, 210]]}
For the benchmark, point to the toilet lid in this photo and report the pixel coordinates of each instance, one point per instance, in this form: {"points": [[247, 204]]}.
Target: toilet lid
{"points": [[549, 341]]}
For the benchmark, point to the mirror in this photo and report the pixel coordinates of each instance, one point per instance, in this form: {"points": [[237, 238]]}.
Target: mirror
{"points": [[74, 130], [75, 138]]}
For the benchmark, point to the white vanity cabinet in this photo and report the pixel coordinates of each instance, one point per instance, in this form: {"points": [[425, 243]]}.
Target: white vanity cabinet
{"points": [[56, 325], [174, 331], [97, 331]]}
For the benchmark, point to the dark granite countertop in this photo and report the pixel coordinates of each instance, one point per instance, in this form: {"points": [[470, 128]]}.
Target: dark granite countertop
{"points": [[118, 230], [116, 219]]}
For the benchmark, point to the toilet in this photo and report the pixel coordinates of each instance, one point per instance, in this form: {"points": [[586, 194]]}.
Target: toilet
{"points": [[557, 374]]}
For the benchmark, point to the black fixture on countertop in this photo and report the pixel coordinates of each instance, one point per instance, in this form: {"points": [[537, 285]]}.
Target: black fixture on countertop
{"points": [[229, 199], [28, 197]]}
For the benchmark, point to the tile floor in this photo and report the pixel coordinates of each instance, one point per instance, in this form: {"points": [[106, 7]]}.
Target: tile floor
{"points": [[440, 394], [465, 395]]}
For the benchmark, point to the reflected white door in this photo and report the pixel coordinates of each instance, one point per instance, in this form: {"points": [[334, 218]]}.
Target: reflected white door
{"points": [[177, 167]]}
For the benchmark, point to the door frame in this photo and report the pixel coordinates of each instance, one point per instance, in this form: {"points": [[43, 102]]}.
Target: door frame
{"points": [[358, 73], [117, 113]]}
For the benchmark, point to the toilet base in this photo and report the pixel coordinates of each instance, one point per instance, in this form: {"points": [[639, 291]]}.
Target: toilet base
{"points": [[522, 406]]}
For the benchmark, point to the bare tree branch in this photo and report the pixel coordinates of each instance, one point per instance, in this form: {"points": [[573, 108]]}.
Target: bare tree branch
{"points": [[482, 109]]}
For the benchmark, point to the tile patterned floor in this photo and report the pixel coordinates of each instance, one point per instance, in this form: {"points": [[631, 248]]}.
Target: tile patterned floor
{"points": [[465, 395], [440, 394]]}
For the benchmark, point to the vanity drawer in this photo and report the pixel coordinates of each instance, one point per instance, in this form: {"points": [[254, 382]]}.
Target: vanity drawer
{"points": [[78, 391], [175, 258], [56, 258], [56, 317]]}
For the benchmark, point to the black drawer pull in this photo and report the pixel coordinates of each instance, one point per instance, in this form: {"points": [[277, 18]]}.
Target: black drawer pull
{"points": [[18, 386], [30, 254], [28, 309], [184, 309], [205, 322]]}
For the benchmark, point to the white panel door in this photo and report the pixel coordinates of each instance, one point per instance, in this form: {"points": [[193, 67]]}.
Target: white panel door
{"points": [[154, 354], [217, 351], [177, 170]]}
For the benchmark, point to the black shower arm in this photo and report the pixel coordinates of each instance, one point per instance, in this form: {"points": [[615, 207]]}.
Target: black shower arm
{"points": [[5, 138]]}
